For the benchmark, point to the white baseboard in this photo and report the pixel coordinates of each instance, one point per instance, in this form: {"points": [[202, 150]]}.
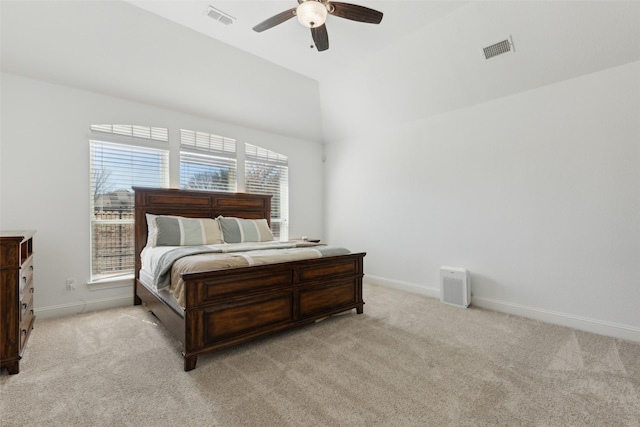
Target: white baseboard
{"points": [[83, 307], [595, 326], [577, 322], [403, 286]]}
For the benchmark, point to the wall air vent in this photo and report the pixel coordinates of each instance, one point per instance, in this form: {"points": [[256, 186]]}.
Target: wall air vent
{"points": [[505, 46], [219, 15]]}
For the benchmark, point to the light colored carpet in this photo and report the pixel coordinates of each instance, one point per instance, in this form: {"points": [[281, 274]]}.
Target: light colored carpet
{"points": [[407, 361]]}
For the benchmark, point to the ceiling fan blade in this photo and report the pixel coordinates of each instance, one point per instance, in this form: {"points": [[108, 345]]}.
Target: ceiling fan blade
{"points": [[275, 20], [355, 12], [320, 37]]}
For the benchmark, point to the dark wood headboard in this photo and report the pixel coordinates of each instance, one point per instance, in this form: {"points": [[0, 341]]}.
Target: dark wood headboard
{"points": [[194, 204]]}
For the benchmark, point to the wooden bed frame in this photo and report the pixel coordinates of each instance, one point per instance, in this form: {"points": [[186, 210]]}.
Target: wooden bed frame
{"points": [[232, 306]]}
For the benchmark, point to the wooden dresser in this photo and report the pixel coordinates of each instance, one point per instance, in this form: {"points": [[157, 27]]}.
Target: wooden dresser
{"points": [[16, 296]]}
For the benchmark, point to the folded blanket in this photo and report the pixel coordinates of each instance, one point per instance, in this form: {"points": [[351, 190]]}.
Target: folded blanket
{"points": [[161, 273]]}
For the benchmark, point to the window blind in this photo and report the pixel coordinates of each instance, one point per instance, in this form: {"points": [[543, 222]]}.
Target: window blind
{"points": [[207, 161], [142, 132], [116, 167], [267, 172]]}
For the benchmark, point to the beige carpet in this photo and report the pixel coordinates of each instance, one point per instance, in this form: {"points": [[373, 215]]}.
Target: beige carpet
{"points": [[407, 361]]}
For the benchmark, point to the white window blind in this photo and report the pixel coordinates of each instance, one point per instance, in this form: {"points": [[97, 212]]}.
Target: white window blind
{"points": [[142, 132], [207, 161], [267, 172], [116, 167]]}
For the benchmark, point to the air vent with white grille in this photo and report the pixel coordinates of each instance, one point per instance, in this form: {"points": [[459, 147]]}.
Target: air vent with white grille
{"points": [[219, 15], [500, 48]]}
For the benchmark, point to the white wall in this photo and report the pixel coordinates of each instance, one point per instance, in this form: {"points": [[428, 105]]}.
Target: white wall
{"points": [[44, 178], [537, 194], [524, 169]]}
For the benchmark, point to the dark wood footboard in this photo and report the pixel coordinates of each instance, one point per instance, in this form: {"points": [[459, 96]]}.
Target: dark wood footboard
{"points": [[229, 307]]}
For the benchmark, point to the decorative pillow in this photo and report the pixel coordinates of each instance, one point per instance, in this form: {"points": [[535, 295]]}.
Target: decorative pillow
{"points": [[239, 230], [179, 231], [152, 229]]}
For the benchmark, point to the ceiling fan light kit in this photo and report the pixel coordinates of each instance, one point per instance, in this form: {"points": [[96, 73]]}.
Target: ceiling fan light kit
{"points": [[313, 14]]}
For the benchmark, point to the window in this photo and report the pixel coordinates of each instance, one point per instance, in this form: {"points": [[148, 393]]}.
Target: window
{"points": [[207, 162], [125, 156], [122, 156], [267, 172]]}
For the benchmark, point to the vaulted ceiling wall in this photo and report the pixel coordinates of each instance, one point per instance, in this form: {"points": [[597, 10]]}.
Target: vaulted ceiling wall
{"points": [[441, 68], [115, 48]]}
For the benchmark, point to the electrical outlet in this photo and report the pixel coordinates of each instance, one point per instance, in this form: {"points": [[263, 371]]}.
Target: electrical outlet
{"points": [[71, 283]]}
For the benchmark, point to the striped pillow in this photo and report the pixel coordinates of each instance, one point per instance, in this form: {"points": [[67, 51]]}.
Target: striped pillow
{"points": [[180, 231], [239, 230]]}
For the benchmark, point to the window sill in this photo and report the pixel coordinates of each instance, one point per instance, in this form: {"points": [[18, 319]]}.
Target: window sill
{"points": [[120, 282]]}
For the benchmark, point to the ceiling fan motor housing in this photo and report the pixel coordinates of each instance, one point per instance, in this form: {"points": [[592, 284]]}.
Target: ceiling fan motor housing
{"points": [[312, 13]]}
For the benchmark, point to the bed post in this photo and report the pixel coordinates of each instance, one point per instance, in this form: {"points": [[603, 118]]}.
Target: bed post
{"points": [[189, 362], [140, 238]]}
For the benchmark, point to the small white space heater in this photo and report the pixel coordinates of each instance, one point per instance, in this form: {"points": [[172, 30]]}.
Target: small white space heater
{"points": [[455, 286]]}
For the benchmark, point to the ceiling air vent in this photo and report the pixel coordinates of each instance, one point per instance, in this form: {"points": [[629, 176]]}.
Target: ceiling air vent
{"points": [[219, 15], [505, 46]]}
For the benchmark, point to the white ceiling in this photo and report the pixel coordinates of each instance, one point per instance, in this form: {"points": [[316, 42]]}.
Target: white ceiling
{"points": [[289, 44]]}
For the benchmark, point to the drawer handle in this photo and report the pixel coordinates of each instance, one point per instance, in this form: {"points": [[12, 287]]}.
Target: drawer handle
{"points": [[24, 332], [24, 305], [31, 267]]}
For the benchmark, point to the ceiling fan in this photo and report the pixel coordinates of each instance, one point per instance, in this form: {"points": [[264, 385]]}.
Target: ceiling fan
{"points": [[313, 14]]}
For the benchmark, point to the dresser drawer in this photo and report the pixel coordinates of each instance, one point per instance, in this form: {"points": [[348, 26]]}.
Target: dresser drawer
{"points": [[26, 303], [26, 274], [26, 324]]}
